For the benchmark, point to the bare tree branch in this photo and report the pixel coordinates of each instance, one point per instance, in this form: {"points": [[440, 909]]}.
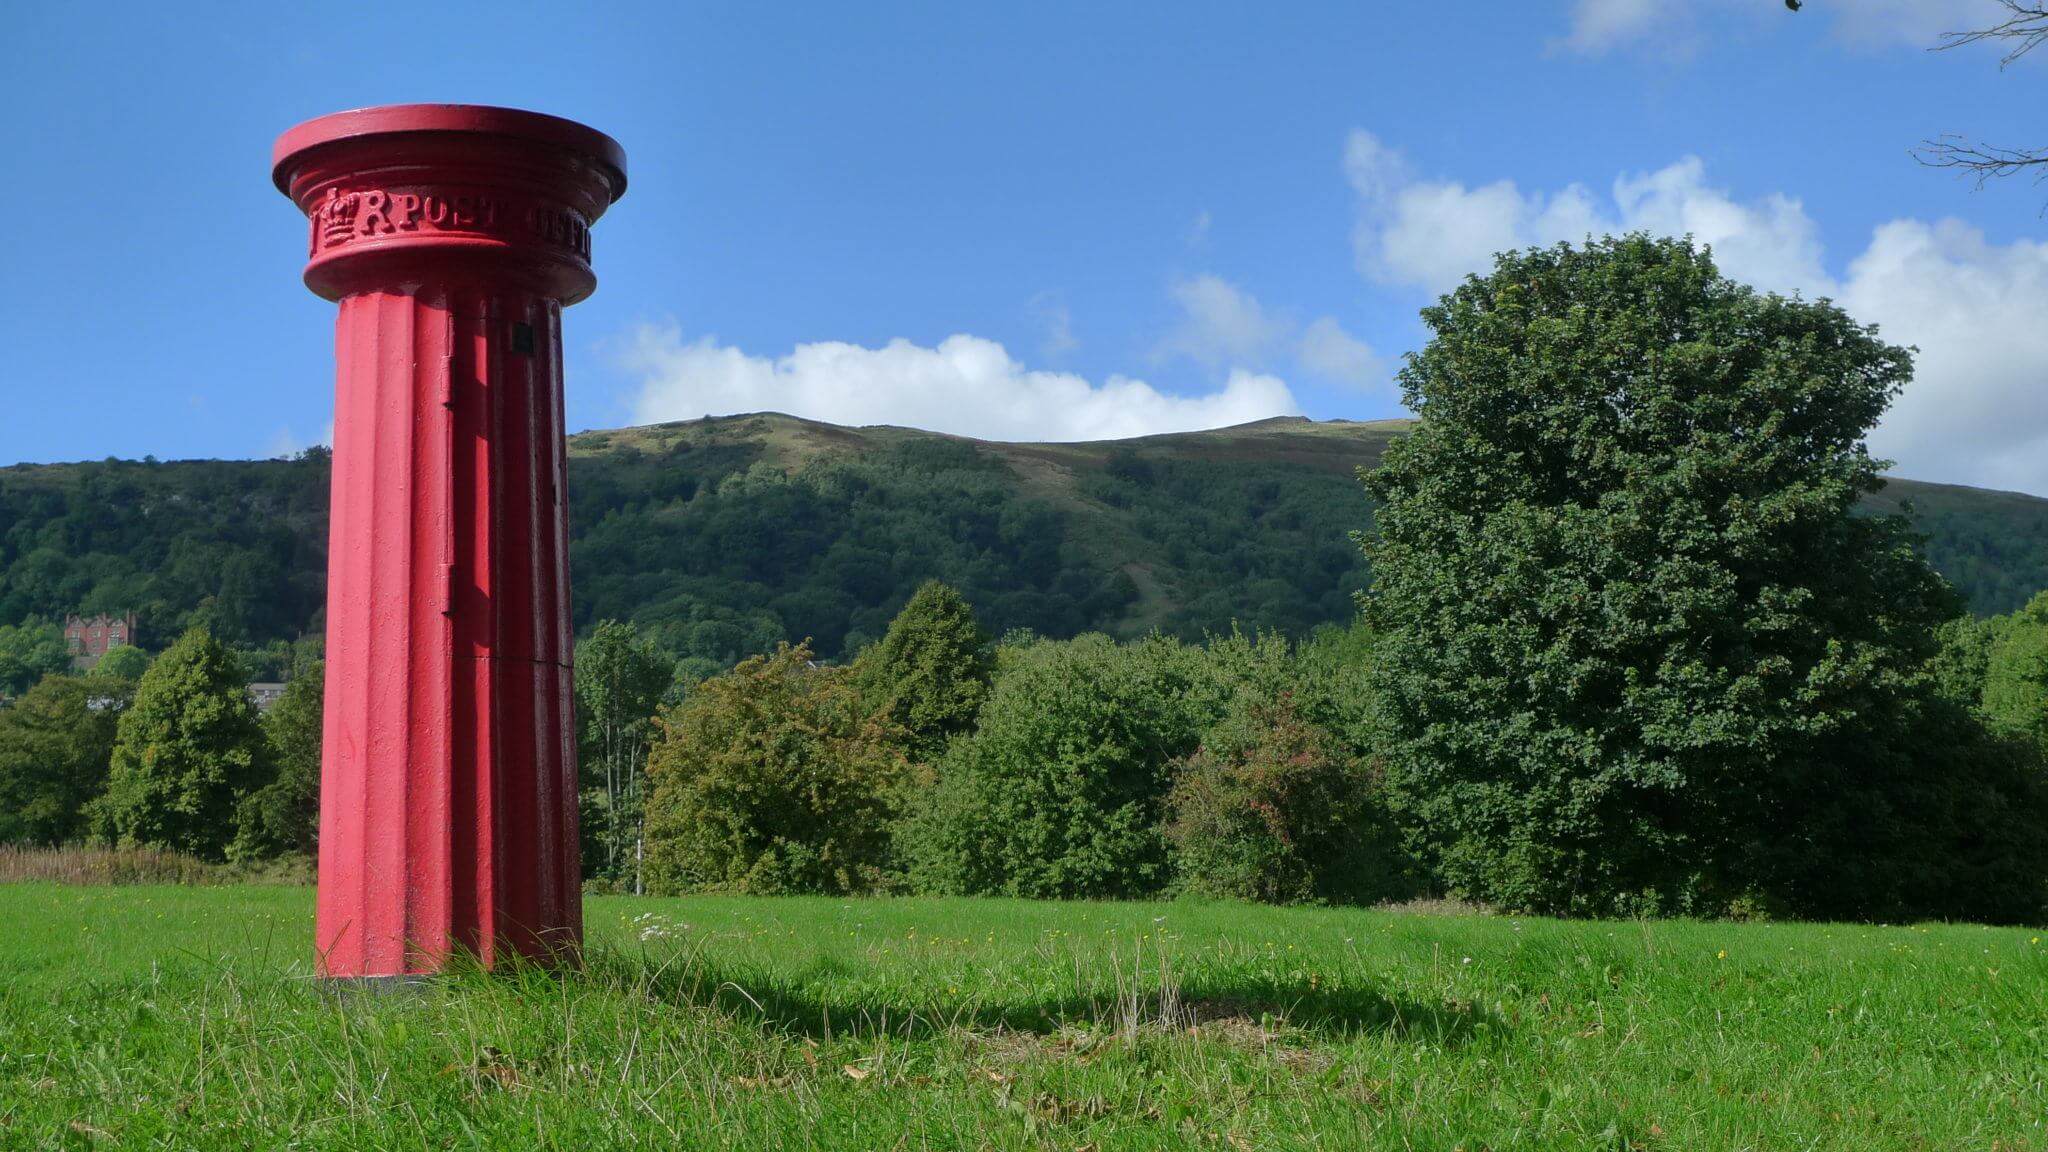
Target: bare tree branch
{"points": [[2025, 26], [1982, 162]]}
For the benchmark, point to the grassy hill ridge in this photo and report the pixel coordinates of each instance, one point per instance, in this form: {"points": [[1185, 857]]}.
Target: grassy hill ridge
{"points": [[725, 535]]}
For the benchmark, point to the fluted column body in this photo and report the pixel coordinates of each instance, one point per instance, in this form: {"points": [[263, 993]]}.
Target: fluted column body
{"points": [[451, 237], [449, 790]]}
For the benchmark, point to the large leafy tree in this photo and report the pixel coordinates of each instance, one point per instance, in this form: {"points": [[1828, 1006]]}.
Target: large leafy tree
{"points": [[186, 753], [55, 743], [772, 778], [621, 677], [929, 672], [1635, 650]]}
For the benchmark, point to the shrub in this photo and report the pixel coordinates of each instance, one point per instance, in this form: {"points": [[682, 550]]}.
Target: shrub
{"points": [[772, 778], [104, 866], [1930, 813], [1324, 679], [1059, 790], [126, 662], [84, 865], [1271, 808]]}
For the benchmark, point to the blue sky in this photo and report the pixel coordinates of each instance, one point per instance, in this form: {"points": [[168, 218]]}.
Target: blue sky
{"points": [[1049, 221]]}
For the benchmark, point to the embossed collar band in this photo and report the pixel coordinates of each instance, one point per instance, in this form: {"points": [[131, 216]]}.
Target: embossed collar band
{"points": [[405, 194]]}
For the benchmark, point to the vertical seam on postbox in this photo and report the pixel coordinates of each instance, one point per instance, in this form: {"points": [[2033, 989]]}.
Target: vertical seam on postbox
{"points": [[448, 454]]}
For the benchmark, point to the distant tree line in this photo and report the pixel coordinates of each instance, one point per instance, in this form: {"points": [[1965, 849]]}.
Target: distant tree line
{"points": [[942, 761], [715, 552], [164, 752], [717, 548]]}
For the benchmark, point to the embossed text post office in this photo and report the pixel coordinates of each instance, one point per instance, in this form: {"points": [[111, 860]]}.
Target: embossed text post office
{"points": [[452, 236]]}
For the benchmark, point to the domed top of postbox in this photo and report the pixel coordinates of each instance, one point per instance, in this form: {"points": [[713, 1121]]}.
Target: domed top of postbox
{"points": [[409, 195]]}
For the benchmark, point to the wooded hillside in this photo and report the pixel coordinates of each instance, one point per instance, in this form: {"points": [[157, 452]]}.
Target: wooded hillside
{"points": [[723, 536]]}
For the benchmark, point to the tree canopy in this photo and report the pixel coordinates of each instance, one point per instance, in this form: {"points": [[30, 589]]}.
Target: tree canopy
{"points": [[55, 743], [929, 672], [1625, 620], [30, 651], [1059, 791], [621, 678], [186, 753]]}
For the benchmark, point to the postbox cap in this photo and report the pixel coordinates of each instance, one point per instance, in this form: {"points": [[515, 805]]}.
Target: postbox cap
{"points": [[387, 119]]}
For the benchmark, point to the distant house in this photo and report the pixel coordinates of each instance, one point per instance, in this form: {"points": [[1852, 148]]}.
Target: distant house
{"points": [[91, 637], [265, 694]]}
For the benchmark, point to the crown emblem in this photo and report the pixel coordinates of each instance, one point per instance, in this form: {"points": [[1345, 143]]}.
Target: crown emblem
{"points": [[337, 217]]}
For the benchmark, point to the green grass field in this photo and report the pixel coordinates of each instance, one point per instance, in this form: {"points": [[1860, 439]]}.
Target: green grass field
{"points": [[186, 1018]]}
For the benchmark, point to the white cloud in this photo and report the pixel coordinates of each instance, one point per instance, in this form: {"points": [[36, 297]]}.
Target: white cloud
{"points": [[1431, 234], [1599, 25], [1375, 170], [1769, 241], [1327, 351], [967, 385], [1220, 324], [1977, 410], [1435, 233]]}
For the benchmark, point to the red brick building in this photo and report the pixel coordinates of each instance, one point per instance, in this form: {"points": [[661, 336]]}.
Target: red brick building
{"points": [[89, 637]]}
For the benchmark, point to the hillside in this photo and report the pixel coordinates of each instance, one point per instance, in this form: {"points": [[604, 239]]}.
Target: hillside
{"points": [[725, 535]]}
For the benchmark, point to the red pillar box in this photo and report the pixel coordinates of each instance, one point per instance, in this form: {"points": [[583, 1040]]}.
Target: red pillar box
{"points": [[451, 236]]}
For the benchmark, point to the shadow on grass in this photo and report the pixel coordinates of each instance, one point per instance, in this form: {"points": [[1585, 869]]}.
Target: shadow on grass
{"points": [[794, 1003]]}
